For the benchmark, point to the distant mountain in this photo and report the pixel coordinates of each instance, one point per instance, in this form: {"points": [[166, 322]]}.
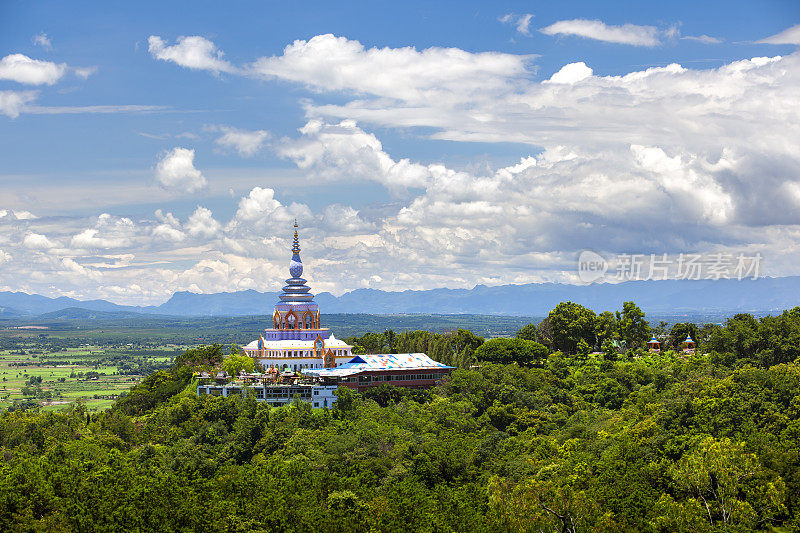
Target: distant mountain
{"points": [[73, 313], [669, 297], [34, 304], [537, 299], [239, 303], [7, 312]]}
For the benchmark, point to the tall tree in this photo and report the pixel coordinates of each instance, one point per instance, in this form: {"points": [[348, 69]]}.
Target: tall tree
{"points": [[633, 328], [528, 332], [607, 327], [570, 323]]}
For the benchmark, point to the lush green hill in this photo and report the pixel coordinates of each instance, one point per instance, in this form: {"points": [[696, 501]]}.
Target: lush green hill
{"points": [[611, 442]]}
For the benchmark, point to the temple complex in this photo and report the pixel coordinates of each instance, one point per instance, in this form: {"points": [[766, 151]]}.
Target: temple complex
{"points": [[304, 361]]}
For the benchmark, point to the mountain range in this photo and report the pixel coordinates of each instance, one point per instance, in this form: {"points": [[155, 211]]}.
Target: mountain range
{"points": [[759, 296]]}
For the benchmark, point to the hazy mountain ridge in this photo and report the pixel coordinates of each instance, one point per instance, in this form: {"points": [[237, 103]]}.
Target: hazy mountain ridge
{"points": [[765, 295]]}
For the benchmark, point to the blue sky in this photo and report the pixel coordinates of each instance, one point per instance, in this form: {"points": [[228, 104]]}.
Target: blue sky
{"points": [[158, 146]]}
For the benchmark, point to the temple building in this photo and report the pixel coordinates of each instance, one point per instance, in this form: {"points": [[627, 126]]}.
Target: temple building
{"points": [[297, 340], [410, 370]]}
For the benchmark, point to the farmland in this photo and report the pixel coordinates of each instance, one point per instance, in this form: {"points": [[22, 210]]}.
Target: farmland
{"points": [[53, 371]]}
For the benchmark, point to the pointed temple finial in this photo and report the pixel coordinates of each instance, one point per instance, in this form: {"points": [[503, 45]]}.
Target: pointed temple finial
{"points": [[296, 243]]}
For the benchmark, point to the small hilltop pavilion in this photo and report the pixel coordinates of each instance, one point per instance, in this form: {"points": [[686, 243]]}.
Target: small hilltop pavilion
{"points": [[654, 345], [688, 345], [304, 361]]}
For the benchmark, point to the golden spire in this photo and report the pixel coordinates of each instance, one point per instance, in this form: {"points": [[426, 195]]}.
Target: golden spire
{"points": [[296, 243]]}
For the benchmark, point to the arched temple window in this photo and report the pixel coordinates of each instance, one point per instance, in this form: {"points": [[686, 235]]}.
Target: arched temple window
{"points": [[291, 320]]}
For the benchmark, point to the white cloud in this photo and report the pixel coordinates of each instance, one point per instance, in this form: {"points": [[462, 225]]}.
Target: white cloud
{"points": [[13, 102], [247, 143], [522, 23], [37, 241], [202, 223], [344, 219], [22, 69], [169, 229], [258, 203], [787, 36], [24, 215], [92, 109], [42, 40], [595, 29], [571, 73], [344, 151], [88, 239], [260, 208], [659, 160], [109, 232], [175, 170], [705, 39], [84, 72], [329, 63], [192, 52], [168, 233]]}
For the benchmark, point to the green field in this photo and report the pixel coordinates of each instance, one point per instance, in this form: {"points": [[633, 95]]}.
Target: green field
{"points": [[93, 374]]}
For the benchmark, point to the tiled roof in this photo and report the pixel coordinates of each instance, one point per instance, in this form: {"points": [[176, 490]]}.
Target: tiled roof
{"points": [[393, 361]]}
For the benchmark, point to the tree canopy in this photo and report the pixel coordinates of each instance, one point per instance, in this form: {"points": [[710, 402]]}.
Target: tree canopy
{"points": [[571, 323], [655, 443], [507, 351]]}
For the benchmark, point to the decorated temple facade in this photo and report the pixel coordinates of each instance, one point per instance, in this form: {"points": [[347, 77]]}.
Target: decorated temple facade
{"points": [[297, 340]]}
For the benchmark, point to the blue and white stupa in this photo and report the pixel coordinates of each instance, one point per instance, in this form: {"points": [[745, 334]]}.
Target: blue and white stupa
{"points": [[297, 339], [296, 301]]}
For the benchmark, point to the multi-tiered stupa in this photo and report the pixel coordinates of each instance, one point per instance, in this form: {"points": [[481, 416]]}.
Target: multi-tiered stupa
{"points": [[297, 339]]}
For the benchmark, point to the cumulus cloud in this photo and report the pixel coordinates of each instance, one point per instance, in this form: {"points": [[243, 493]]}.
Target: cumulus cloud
{"points": [[192, 52], [109, 232], [330, 63], [24, 215], [344, 151], [260, 208], [246, 143], [175, 170], [37, 241], [787, 36], [22, 69], [571, 73], [89, 238], [598, 30], [169, 229], [344, 219], [522, 23], [202, 223], [660, 160]]}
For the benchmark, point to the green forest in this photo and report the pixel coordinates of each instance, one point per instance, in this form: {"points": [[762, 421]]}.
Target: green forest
{"points": [[570, 426]]}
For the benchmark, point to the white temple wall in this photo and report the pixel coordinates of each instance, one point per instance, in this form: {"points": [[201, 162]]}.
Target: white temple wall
{"points": [[295, 363]]}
